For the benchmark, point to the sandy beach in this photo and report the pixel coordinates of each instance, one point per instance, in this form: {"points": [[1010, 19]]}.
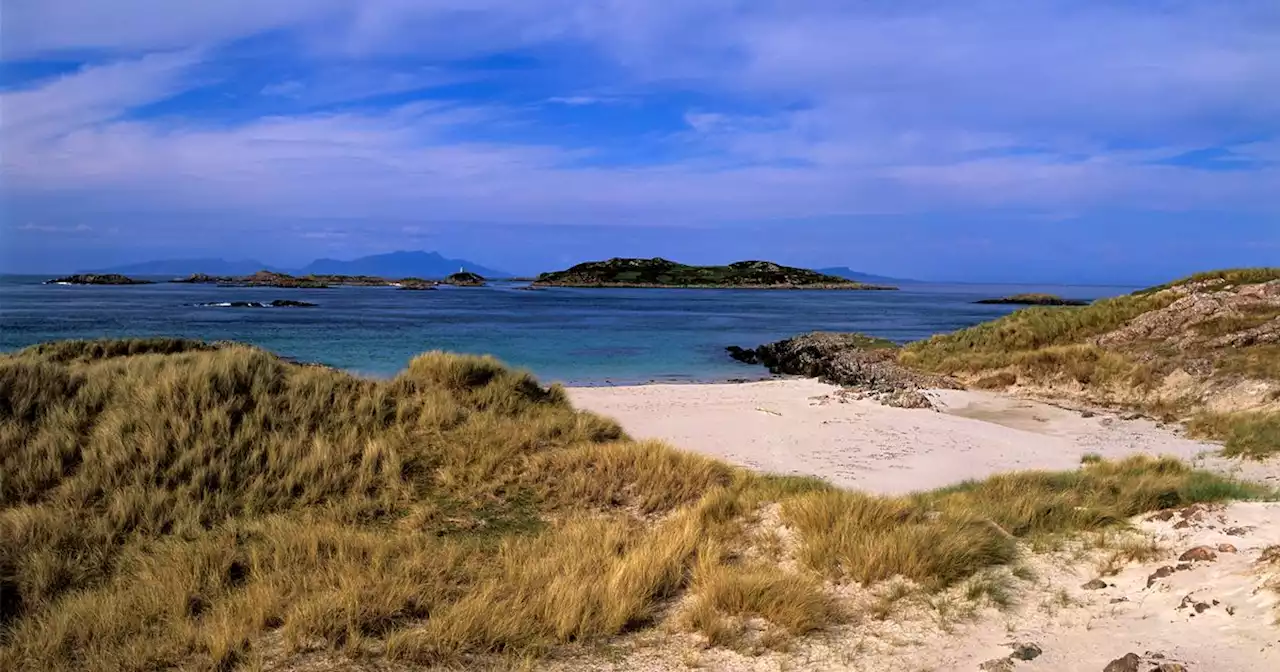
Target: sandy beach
{"points": [[1217, 614], [801, 426]]}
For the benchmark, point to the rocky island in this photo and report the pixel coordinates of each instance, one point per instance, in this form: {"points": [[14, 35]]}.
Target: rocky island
{"points": [[1033, 300], [286, 281], [663, 273], [97, 279], [465, 279]]}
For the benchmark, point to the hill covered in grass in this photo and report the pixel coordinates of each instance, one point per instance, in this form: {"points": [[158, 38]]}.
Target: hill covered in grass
{"points": [[1205, 348], [170, 503], [664, 273]]}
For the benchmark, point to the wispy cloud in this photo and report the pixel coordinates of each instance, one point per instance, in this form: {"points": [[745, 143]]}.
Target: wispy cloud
{"points": [[457, 111]]}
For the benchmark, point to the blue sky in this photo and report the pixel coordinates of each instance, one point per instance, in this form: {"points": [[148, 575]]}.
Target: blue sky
{"points": [[1047, 141]]}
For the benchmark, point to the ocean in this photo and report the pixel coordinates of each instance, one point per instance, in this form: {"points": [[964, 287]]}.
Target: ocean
{"points": [[574, 336]]}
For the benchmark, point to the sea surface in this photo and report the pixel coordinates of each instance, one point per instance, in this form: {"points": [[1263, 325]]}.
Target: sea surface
{"points": [[576, 336]]}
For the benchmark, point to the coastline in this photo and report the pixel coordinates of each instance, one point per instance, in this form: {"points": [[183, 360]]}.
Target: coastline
{"points": [[800, 426]]}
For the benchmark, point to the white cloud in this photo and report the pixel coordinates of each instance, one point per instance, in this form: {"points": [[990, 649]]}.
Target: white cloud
{"points": [[878, 107]]}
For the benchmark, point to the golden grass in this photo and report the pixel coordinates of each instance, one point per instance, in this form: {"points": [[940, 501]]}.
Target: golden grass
{"points": [[1253, 435], [169, 503], [1229, 276], [999, 343]]}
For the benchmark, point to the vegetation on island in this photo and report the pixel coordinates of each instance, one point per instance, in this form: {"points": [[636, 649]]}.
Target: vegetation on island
{"points": [[1033, 299], [465, 279], [97, 279], [660, 272], [169, 503]]}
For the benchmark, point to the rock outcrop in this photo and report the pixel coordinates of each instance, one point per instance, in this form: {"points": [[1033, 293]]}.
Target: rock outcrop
{"points": [[1184, 321], [866, 365]]}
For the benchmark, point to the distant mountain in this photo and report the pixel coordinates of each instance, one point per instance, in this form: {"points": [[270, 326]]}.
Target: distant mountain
{"points": [[400, 265], [392, 265], [181, 267], [850, 274]]}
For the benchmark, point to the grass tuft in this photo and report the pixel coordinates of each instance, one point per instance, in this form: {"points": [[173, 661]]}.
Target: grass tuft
{"points": [[1251, 435]]}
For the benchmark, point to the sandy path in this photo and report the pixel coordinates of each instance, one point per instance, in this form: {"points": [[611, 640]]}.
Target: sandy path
{"points": [[800, 426]]}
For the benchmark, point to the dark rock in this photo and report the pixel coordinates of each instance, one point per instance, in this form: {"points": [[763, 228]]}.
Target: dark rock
{"points": [[998, 665], [1118, 600], [1200, 607], [1129, 662], [744, 355], [1165, 515], [1096, 584], [1199, 554], [1087, 413], [866, 364], [1159, 574], [1226, 548], [1026, 651], [1236, 531], [1169, 667]]}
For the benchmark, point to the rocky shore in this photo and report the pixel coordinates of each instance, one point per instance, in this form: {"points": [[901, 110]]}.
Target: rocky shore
{"points": [[867, 367]]}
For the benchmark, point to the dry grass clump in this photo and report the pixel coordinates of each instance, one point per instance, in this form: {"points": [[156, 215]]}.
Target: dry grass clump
{"points": [[938, 538], [996, 381], [166, 503], [997, 344], [1224, 277], [1251, 435]]}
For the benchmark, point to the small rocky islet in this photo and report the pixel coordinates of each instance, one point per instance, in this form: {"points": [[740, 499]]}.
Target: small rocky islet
{"points": [[664, 273], [465, 279], [277, 303], [1033, 300], [98, 279], [286, 281]]}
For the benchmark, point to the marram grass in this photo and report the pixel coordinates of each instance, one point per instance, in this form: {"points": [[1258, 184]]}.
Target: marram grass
{"points": [[168, 503]]}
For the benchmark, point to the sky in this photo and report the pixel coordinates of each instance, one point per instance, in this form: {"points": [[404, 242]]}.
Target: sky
{"points": [[1047, 141]]}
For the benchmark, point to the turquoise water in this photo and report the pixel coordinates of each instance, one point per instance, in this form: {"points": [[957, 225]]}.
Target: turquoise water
{"points": [[581, 336]]}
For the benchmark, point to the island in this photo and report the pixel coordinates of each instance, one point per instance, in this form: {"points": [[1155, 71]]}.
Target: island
{"points": [[97, 279], [465, 279], [286, 281], [1034, 300], [663, 273]]}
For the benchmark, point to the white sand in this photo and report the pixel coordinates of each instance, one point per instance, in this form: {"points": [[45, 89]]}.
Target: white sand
{"points": [[797, 426], [801, 426]]}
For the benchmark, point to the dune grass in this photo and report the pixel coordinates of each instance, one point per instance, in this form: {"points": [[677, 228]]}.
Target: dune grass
{"points": [[1252, 435], [1002, 342], [169, 503], [1224, 277]]}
